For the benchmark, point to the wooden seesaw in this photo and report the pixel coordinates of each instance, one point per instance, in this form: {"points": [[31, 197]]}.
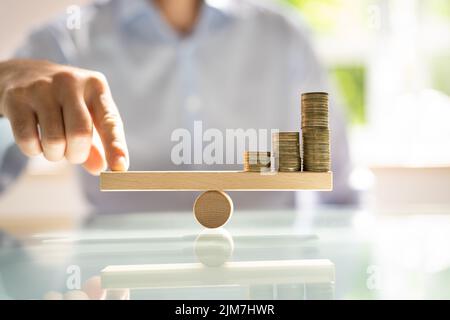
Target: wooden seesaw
{"points": [[213, 208]]}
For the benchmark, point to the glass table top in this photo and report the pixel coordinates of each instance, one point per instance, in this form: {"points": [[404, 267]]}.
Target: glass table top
{"points": [[325, 253]]}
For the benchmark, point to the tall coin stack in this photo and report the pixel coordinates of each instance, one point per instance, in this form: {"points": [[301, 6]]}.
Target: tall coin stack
{"points": [[256, 161], [315, 132], [286, 151]]}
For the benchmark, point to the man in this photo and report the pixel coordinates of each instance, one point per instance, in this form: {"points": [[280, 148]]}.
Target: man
{"points": [[167, 63]]}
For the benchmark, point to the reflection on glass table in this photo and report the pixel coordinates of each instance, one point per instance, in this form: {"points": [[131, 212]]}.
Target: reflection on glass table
{"points": [[322, 253], [284, 279], [190, 263]]}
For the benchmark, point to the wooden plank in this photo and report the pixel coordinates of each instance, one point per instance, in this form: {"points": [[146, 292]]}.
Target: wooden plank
{"points": [[231, 273], [214, 180]]}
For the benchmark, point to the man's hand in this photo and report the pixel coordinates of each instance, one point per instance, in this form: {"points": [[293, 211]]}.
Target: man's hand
{"points": [[54, 109]]}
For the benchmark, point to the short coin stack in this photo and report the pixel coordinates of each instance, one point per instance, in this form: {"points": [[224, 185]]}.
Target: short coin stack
{"points": [[315, 132], [256, 161], [286, 151]]}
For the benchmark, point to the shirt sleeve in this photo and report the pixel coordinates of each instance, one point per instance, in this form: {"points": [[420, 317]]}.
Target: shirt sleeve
{"points": [[6, 139], [52, 42], [308, 74], [48, 43], [6, 142]]}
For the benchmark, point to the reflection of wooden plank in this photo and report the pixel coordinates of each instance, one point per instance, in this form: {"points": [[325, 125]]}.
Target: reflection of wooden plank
{"points": [[214, 180], [231, 273], [30, 225], [406, 189]]}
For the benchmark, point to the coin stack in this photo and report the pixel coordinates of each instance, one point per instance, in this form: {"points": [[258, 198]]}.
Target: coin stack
{"points": [[286, 151], [256, 161], [315, 132]]}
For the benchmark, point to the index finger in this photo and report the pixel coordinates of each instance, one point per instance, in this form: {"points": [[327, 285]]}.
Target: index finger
{"points": [[108, 123]]}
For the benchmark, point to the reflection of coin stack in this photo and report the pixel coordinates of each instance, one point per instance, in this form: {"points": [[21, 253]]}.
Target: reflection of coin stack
{"points": [[256, 161], [315, 132], [286, 151]]}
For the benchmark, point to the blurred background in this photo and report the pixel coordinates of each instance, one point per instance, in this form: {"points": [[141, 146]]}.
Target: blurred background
{"points": [[390, 61]]}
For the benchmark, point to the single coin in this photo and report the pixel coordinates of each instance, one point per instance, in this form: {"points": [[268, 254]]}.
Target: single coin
{"points": [[213, 209]]}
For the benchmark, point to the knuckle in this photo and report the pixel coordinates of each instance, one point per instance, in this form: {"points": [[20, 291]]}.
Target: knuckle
{"points": [[81, 133], [14, 94], [21, 132], [54, 141], [98, 81], [99, 76], [40, 86], [111, 121], [65, 77], [116, 147], [82, 127]]}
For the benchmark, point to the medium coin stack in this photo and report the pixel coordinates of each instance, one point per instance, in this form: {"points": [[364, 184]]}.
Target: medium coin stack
{"points": [[315, 132], [286, 151], [256, 161]]}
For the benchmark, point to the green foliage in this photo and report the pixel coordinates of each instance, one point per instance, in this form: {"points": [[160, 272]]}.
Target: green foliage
{"points": [[439, 8], [440, 71], [319, 14], [350, 80]]}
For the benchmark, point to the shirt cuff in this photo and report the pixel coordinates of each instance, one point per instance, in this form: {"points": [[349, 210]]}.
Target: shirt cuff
{"points": [[6, 138]]}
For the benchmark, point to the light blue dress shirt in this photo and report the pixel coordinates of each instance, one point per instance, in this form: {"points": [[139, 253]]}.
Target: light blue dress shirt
{"points": [[244, 66]]}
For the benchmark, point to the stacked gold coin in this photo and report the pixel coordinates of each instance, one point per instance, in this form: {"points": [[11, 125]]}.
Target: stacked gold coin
{"points": [[256, 161], [315, 132], [286, 151]]}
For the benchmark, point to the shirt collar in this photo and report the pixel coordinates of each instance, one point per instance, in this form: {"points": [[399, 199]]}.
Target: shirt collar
{"points": [[215, 12], [129, 10]]}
